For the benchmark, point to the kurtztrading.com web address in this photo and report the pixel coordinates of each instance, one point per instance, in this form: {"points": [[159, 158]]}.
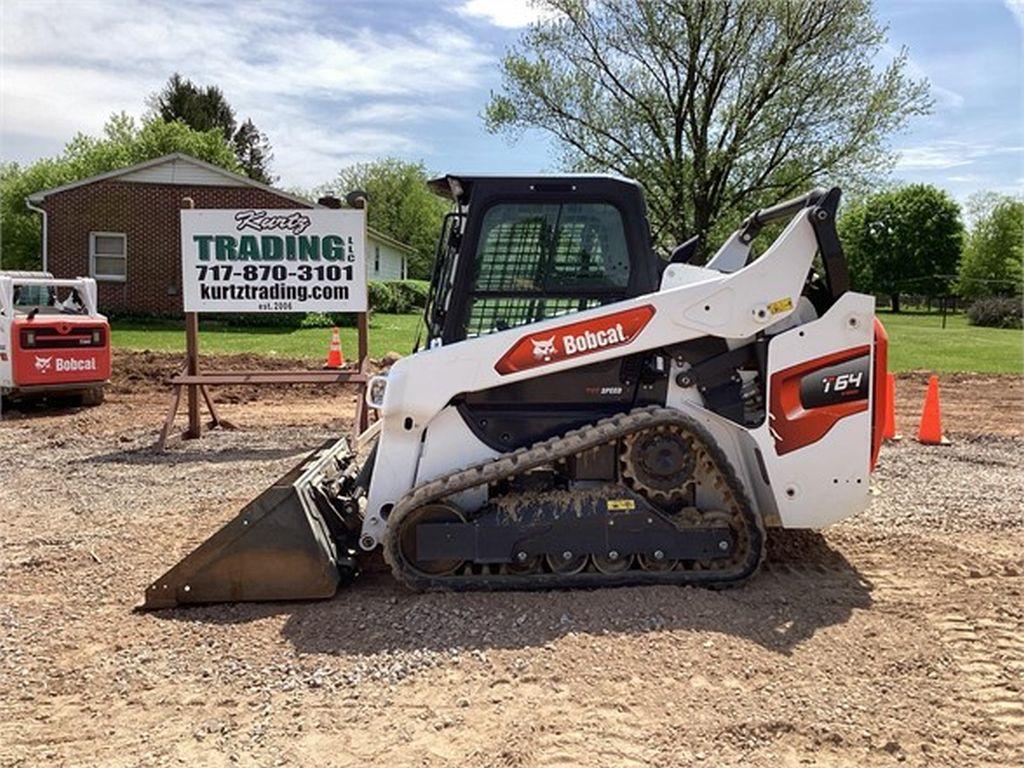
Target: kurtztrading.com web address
{"points": [[277, 292]]}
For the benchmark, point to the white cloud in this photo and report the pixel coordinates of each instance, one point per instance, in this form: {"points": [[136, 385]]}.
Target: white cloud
{"points": [[930, 157], [325, 93], [941, 155], [509, 14], [1016, 7]]}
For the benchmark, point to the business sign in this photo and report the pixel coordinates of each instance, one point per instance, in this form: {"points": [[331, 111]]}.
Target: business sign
{"points": [[259, 260]]}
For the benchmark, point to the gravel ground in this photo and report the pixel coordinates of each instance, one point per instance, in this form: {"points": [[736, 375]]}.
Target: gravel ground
{"points": [[962, 488], [895, 638]]}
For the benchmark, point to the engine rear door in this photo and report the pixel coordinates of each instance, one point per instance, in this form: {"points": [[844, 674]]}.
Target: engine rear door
{"points": [[51, 351]]}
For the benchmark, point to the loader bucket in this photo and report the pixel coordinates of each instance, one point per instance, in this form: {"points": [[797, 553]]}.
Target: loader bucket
{"points": [[279, 547]]}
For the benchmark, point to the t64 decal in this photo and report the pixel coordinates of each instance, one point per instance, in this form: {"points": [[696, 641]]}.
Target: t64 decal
{"points": [[575, 340], [807, 400]]}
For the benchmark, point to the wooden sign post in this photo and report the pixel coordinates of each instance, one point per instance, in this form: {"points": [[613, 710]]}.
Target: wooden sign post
{"points": [[195, 424], [360, 201]]}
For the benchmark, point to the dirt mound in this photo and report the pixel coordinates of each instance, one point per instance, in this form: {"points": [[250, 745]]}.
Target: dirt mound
{"points": [[145, 372], [806, 549]]}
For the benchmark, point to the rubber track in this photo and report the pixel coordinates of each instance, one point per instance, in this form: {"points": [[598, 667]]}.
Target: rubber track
{"points": [[547, 452]]}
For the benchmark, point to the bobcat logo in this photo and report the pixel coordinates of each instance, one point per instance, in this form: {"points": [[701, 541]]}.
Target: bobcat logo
{"points": [[43, 363], [544, 349]]}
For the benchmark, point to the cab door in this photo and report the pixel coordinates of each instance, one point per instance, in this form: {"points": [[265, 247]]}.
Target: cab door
{"points": [[535, 259]]}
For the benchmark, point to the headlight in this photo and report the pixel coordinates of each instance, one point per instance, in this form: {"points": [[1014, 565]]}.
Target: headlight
{"points": [[97, 336], [375, 392], [30, 338]]}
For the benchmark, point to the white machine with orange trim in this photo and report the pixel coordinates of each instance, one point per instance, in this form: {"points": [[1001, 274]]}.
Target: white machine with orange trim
{"points": [[584, 413], [53, 341]]}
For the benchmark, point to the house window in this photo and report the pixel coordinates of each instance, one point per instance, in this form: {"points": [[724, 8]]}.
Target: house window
{"points": [[376, 259], [108, 256], [404, 268]]}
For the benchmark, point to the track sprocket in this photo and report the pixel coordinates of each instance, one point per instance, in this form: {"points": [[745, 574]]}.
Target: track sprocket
{"points": [[659, 462]]}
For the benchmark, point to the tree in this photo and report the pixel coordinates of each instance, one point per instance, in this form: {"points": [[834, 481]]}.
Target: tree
{"points": [[199, 108], [124, 142], [400, 205], [905, 240], [993, 263], [716, 107], [252, 148], [206, 108]]}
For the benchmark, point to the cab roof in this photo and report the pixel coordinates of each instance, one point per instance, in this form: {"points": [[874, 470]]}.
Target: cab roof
{"points": [[460, 187]]}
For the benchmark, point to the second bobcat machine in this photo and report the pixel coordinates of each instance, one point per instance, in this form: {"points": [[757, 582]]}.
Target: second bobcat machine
{"points": [[54, 343], [584, 412]]}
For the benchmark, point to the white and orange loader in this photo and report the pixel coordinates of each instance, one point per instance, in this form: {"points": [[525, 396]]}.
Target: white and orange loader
{"points": [[53, 340], [585, 413]]}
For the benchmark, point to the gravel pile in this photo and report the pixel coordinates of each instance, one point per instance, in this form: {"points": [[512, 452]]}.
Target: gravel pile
{"points": [[974, 485]]}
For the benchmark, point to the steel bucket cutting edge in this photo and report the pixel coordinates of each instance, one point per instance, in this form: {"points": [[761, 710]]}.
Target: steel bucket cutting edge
{"points": [[279, 547]]}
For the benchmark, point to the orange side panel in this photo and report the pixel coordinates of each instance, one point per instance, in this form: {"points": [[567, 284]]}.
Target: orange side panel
{"points": [[796, 426]]}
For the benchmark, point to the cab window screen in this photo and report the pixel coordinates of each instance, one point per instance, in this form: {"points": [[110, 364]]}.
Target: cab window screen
{"points": [[540, 260]]}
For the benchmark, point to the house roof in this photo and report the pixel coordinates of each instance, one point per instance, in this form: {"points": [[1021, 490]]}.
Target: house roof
{"points": [[236, 179]]}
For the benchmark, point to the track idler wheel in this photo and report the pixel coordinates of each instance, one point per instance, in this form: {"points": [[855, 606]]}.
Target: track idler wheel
{"points": [[656, 561], [566, 563], [524, 565], [437, 512], [613, 562]]}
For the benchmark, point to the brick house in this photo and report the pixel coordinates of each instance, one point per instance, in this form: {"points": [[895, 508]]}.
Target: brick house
{"points": [[122, 228]]}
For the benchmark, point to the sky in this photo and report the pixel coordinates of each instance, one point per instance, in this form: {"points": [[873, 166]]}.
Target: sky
{"points": [[333, 83]]}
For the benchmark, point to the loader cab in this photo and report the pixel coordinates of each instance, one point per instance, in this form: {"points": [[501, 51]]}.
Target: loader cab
{"points": [[520, 249]]}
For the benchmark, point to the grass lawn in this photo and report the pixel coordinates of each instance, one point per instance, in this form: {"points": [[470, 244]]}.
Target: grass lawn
{"points": [[916, 341], [387, 333]]}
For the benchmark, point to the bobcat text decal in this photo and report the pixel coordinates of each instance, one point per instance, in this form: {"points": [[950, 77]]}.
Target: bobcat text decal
{"points": [[574, 340], [65, 365]]}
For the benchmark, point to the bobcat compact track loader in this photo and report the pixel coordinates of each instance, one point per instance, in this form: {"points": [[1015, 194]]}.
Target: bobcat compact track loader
{"points": [[584, 413], [53, 340]]}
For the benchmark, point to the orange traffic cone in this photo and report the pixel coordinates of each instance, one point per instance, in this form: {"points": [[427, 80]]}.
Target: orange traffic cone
{"points": [[335, 359], [889, 429], [930, 432]]}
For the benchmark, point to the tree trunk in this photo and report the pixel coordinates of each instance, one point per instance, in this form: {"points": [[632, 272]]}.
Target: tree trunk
{"points": [[895, 300], [701, 225]]}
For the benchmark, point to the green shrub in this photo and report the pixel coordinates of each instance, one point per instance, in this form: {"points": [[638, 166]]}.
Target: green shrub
{"points": [[996, 312], [256, 319], [413, 292], [384, 297], [329, 320], [398, 297]]}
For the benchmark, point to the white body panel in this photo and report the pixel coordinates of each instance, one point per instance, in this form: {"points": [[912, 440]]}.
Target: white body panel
{"points": [[826, 481], [450, 443], [421, 438]]}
